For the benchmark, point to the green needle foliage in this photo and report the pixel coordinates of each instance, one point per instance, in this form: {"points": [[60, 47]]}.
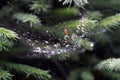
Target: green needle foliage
{"points": [[59, 15], [111, 22], [6, 38], [84, 43], [70, 25], [81, 74], [38, 6], [112, 64], [112, 75], [87, 44], [79, 3], [94, 15], [87, 75], [89, 25], [110, 4], [58, 30], [64, 13], [33, 20], [4, 75], [37, 73], [8, 34]]}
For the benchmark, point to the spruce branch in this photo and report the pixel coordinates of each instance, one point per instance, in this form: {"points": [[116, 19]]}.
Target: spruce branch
{"points": [[37, 73], [112, 64], [5, 75]]}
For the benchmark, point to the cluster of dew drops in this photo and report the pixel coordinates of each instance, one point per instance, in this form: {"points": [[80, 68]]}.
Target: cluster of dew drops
{"points": [[57, 49]]}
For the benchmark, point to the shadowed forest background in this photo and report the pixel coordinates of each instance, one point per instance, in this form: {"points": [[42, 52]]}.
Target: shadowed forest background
{"points": [[59, 39]]}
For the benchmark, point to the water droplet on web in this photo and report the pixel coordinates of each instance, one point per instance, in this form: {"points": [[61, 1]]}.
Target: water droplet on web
{"points": [[27, 32], [29, 39], [47, 31], [91, 44], [67, 46], [46, 42], [53, 52], [36, 41]]}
